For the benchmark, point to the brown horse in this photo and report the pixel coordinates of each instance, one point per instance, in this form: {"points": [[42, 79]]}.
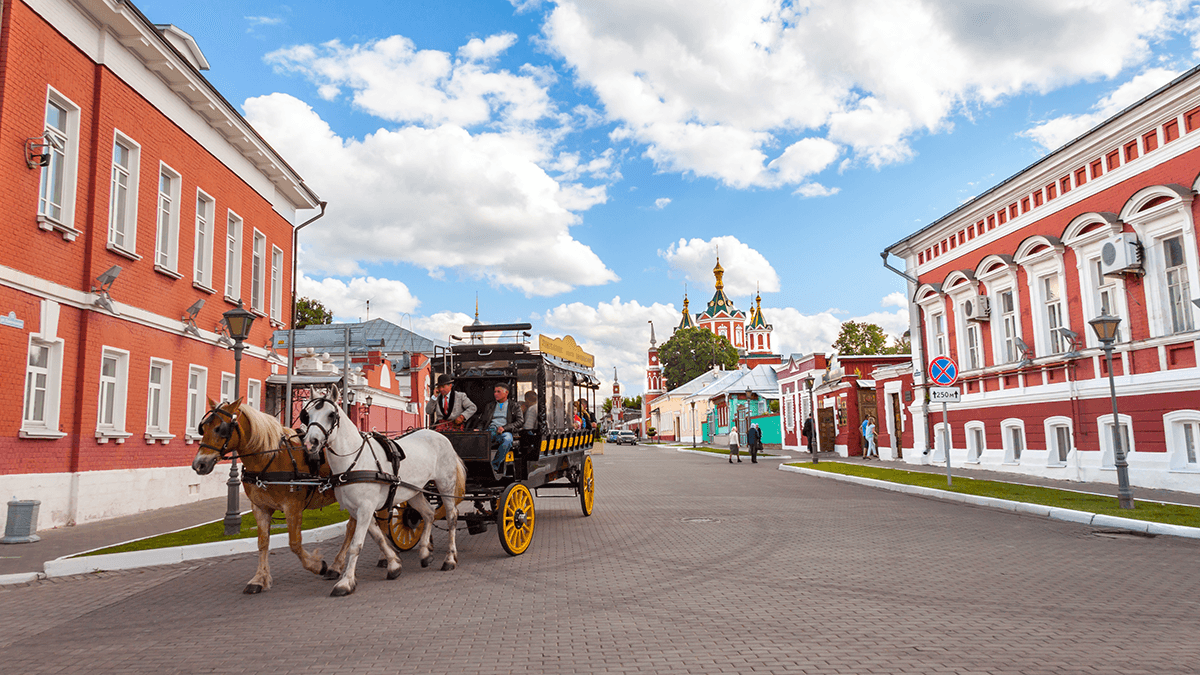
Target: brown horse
{"points": [[267, 448]]}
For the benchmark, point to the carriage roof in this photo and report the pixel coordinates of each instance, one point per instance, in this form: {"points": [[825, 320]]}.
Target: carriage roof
{"points": [[496, 350]]}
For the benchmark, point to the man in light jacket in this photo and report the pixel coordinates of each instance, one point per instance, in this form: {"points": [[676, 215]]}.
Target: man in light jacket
{"points": [[448, 409]]}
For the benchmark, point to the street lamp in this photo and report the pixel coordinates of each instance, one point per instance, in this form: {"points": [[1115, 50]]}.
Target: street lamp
{"points": [[693, 424], [368, 414], [237, 322], [1106, 331], [808, 384]]}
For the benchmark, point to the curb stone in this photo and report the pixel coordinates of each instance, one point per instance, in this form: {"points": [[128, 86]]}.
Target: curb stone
{"points": [[66, 565], [726, 454], [1053, 512]]}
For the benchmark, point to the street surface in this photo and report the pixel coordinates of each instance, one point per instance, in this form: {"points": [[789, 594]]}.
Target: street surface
{"points": [[688, 565]]}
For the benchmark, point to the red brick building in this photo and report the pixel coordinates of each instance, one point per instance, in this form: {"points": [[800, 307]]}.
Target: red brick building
{"points": [[796, 377], [845, 395], [1007, 283], [121, 159]]}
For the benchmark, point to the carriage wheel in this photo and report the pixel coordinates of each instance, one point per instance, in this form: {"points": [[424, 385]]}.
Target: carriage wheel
{"points": [[587, 486], [514, 516], [405, 527]]}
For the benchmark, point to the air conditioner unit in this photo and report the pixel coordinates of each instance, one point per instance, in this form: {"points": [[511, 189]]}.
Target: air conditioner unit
{"points": [[1121, 255], [977, 308]]}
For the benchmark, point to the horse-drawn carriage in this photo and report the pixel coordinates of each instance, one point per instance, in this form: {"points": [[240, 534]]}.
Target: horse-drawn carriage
{"points": [[549, 455]]}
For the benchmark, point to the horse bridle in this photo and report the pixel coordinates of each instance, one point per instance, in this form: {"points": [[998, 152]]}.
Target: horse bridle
{"points": [[307, 421], [224, 430]]}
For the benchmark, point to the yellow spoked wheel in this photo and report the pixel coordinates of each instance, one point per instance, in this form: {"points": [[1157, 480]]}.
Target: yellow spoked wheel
{"points": [[514, 517], [405, 527], [587, 486]]}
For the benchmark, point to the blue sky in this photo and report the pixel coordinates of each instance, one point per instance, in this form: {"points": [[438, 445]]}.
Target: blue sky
{"points": [[574, 163]]}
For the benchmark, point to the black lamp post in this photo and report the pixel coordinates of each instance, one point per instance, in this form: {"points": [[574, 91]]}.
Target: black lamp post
{"points": [[808, 384], [238, 322], [1106, 331], [370, 399]]}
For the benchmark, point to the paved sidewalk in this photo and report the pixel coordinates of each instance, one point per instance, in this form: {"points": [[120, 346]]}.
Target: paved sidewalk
{"points": [[1139, 493], [60, 541]]}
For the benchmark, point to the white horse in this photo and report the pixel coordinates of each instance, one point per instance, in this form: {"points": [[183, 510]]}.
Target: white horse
{"points": [[428, 456]]}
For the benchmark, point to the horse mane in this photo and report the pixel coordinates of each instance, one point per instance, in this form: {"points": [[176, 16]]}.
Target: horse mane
{"points": [[265, 431]]}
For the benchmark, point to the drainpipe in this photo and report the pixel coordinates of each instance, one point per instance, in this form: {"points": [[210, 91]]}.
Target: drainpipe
{"points": [[913, 339], [291, 364]]}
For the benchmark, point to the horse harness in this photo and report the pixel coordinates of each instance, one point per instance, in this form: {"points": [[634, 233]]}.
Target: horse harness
{"points": [[261, 479]]}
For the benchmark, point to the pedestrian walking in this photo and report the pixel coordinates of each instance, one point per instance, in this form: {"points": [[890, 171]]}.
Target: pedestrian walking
{"points": [[872, 451], [754, 439], [733, 446], [810, 436], [862, 431]]}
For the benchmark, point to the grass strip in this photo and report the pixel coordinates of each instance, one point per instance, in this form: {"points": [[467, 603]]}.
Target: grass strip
{"points": [[211, 532], [1031, 494]]}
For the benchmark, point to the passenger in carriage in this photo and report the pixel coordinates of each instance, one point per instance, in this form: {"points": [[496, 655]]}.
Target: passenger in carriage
{"points": [[502, 418], [529, 410], [449, 410]]}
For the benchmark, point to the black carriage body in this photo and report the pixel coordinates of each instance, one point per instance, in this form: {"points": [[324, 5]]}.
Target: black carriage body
{"points": [[554, 448]]}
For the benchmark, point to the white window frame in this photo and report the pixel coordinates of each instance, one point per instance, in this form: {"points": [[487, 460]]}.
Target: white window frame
{"points": [[158, 428], [1186, 323], [227, 388], [1153, 226], [258, 272], [1054, 454], [197, 399], [1107, 452], [119, 391], [64, 152], [1174, 424], [998, 281], [975, 448], [1038, 267], [254, 393], [206, 226], [234, 226], [938, 440], [47, 427], [1012, 454], [277, 284], [126, 229], [1087, 247], [166, 222]]}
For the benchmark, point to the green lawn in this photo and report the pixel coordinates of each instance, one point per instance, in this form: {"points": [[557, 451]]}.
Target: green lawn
{"points": [[1149, 511], [210, 532]]}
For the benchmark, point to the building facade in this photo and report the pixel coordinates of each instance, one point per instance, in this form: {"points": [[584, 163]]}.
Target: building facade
{"points": [[141, 206], [797, 376], [1007, 283]]}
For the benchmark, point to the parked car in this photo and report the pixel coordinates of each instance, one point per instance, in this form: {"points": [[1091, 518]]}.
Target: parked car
{"points": [[624, 437], [612, 436]]}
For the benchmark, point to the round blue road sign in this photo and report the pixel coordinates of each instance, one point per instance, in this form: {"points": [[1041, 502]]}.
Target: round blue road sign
{"points": [[943, 371]]}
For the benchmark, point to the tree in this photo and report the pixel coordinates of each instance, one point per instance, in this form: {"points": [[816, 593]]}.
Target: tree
{"points": [[860, 338], [635, 402], [902, 345], [691, 351], [311, 312], [607, 406]]}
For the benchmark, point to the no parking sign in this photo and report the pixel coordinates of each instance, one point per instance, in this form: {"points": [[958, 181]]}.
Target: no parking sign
{"points": [[943, 371]]}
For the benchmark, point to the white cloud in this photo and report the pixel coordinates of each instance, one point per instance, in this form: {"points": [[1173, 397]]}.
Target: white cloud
{"points": [[798, 333], [815, 190], [439, 198], [713, 87], [1055, 132], [390, 299], [264, 20], [393, 80], [746, 270], [617, 333], [661, 203], [896, 299], [441, 325]]}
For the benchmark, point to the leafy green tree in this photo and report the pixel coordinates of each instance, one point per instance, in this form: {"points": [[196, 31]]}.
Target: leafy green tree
{"points": [[635, 402], [860, 338], [607, 406], [901, 345], [310, 312], [691, 351]]}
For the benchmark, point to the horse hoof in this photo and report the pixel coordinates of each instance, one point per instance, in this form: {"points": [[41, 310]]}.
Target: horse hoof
{"points": [[393, 575], [331, 575], [324, 569], [382, 562], [447, 566], [425, 561], [252, 589], [339, 592]]}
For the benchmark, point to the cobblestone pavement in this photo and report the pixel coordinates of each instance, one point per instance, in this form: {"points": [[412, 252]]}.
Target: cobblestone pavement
{"points": [[689, 565]]}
